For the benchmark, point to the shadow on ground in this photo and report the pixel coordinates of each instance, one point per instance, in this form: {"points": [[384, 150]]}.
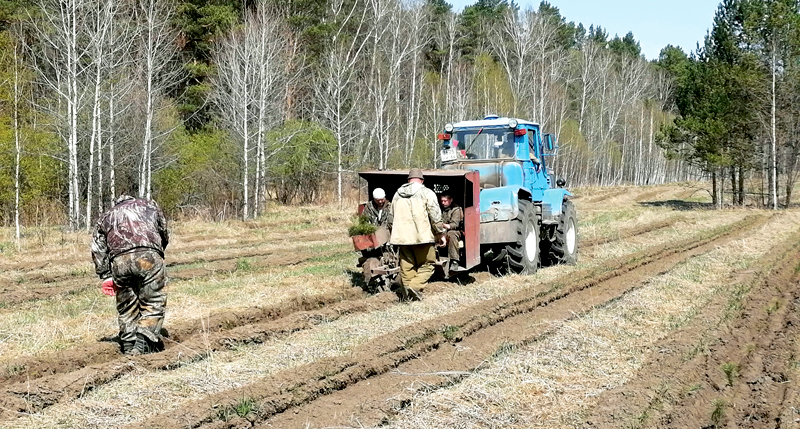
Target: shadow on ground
{"points": [[679, 205], [356, 278]]}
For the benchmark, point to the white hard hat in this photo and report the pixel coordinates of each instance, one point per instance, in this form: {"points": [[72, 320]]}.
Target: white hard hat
{"points": [[378, 194]]}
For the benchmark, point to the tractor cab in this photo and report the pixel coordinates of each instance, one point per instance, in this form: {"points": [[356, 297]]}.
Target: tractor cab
{"points": [[506, 151]]}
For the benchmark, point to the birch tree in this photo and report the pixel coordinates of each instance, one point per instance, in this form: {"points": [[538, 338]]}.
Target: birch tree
{"points": [[274, 54], [512, 42], [156, 52], [771, 27], [59, 51], [419, 36], [390, 48], [17, 143], [117, 85], [250, 89], [119, 104], [448, 91], [337, 89], [99, 34], [232, 96]]}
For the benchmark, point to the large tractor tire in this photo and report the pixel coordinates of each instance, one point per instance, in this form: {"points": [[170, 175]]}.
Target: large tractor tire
{"points": [[523, 256], [563, 249]]}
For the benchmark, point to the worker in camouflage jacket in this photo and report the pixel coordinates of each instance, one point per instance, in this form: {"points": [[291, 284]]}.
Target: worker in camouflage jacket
{"points": [[453, 222], [378, 211], [416, 226], [128, 253]]}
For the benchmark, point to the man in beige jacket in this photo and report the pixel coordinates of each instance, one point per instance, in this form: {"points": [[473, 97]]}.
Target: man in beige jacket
{"points": [[416, 228]]}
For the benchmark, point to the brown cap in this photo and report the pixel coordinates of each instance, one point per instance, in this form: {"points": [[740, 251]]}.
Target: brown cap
{"points": [[415, 173]]}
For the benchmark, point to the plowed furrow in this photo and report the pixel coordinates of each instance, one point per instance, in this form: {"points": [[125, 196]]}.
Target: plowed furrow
{"points": [[33, 291], [44, 286], [597, 195], [633, 232], [176, 260], [739, 366], [218, 324], [183, 248], [482, 326], [36, 395], [179, 248]]}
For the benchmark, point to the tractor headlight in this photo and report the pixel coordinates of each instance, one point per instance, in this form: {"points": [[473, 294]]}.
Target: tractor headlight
{"points": [[448, 128], [513, 123]]}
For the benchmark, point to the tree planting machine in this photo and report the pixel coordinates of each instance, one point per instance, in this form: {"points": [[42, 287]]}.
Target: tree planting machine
{"points": [[517, 214]]}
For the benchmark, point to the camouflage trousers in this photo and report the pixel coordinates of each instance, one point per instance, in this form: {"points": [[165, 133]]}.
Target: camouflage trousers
{"points": [[140, 277], [453, 238]]}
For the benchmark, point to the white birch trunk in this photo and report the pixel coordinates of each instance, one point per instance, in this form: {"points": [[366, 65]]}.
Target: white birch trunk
{"points": [[245, 106], [774, 166], [112, 181], [17, 150]]}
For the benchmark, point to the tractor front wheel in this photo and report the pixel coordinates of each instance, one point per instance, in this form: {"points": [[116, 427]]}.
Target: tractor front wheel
{"points": [[523, 256], [564, 247]]}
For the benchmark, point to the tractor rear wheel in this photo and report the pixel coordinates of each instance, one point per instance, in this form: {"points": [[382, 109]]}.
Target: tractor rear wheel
{"points": [[523, 256], [564, 247]]}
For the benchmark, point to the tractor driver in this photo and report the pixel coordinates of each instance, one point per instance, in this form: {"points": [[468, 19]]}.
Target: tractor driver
{"points": [[453, 222]]}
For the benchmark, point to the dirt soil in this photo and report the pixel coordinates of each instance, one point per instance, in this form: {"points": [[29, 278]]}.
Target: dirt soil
{"points": [[181, 264], [740, 372], [734, 371]]}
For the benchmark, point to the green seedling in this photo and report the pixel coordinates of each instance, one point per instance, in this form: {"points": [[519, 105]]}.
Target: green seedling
{"points": [[731, 371], [450, 332], [242, 408], [245, 406], [361, 226], [243, 264], [718, 411], [15, 369], [774, 306], [505, 349]]}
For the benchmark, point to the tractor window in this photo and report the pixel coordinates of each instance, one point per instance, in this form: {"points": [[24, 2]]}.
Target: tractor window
{"points": [[532, 143], [486, 143]]}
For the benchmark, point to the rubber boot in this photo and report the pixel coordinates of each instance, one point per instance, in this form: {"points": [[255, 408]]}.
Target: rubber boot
{"points": [[127, 347], [408, 294], [140, 346], [413, 295]]}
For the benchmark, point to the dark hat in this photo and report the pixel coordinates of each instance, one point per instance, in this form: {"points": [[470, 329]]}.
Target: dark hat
{"points": [[415, 173]]}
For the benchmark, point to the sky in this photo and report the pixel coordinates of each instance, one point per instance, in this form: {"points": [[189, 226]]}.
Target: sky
{"points": [[654, 23]]}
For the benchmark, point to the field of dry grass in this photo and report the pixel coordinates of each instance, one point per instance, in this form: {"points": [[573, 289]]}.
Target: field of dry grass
{"points": [[269, 331]]}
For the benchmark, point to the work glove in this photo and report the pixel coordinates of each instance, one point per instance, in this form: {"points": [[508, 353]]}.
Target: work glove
{"points": [[109, 288]]}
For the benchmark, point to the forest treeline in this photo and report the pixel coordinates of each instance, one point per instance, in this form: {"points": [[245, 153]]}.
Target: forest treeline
{"points": [[217, 107]]}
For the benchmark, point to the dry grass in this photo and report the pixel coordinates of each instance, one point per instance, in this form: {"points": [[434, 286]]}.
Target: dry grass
{"points": [[554, 382], [84, 317], [548, 384]]}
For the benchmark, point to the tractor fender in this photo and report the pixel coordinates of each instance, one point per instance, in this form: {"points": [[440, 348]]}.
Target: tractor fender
{"points": [[499, 204], [500, 212], [552, 200]]}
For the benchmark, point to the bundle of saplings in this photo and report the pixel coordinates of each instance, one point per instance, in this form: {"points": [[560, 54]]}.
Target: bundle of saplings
{"points": [[361, 226]]}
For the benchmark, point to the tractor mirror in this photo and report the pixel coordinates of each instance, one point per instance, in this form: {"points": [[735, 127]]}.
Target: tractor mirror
{"points": [[548, 142]]}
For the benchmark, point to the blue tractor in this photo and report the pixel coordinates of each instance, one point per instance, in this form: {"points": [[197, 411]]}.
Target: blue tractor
{"points": [[526, 216], [517, 215]]}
